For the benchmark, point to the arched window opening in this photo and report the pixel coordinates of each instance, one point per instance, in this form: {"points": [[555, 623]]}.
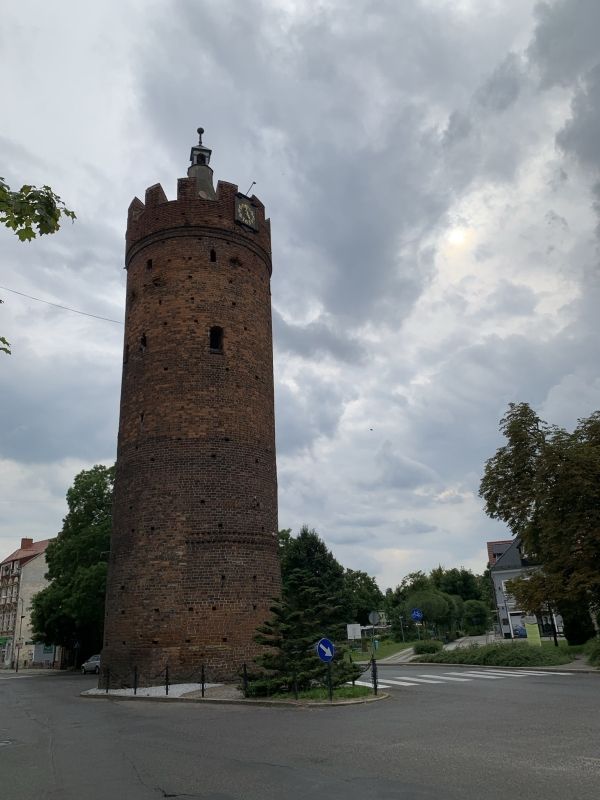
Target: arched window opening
{"points": [[213, 255], [216, 339]]}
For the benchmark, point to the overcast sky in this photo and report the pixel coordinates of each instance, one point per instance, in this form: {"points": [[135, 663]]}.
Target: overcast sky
{"points": [[431, 171]]}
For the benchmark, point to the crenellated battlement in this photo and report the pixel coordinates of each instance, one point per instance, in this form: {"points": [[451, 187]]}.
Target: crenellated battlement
{"points": [[159, 214]]}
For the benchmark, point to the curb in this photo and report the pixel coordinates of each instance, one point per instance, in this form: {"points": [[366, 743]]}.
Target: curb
{"points": [[242, 702]]}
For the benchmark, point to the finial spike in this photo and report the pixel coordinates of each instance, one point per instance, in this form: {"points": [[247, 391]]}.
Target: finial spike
{"points": [[200, 132]]}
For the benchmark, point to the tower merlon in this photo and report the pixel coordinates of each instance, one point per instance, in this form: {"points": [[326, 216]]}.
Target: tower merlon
{"points": [[155, 195]]}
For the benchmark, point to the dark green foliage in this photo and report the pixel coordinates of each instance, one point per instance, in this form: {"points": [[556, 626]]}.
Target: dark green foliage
{"points": [[476, 617], [314, 605], [518, 654], [71, 609], [578, 625], [363, 595], [427, 646], [442, 593], [455, 581], [592, 652], [544, 483]]}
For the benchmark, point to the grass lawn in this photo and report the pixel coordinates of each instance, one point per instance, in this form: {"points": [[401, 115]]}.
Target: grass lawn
{"points": [[321, 693], [385, 649]]}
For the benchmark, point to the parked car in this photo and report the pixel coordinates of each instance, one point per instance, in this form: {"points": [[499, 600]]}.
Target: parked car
{"points": [[91, 665], [519, 632]]}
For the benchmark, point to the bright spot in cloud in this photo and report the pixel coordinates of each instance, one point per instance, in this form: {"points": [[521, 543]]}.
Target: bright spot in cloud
{"points": [[458, 236]]}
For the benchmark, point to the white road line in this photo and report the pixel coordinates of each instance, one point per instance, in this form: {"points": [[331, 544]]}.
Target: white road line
{"points": [[419, 680], [448, 678], [478, 675], [507, 674], [397, 682], [369, 684]]}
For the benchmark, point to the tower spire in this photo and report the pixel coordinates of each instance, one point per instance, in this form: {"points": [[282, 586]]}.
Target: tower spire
{"points": [[199, 168]]}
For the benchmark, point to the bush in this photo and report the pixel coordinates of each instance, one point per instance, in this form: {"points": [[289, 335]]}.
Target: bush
{"points": [[502, 655], [592, 652], [427, 646]]}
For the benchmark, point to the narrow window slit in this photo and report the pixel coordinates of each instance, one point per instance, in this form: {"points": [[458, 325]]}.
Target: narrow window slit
{"points": [[216, 338]]}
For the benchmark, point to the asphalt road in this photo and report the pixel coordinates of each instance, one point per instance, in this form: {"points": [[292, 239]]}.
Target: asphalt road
{"points": [[485, 739]]}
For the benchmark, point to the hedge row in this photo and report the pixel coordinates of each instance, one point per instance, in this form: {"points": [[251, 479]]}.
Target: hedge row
{"points": [[501, 655]]}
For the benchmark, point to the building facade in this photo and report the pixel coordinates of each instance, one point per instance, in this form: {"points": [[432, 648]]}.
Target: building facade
{"points": [[194, 566], [22, 575], [512, 562]]}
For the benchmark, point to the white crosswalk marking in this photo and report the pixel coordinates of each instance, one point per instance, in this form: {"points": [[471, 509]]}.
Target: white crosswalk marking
{"points": [[478, 675], [464, 676]]}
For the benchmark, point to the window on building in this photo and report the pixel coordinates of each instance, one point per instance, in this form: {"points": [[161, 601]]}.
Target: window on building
{"points": [[216, 339]]}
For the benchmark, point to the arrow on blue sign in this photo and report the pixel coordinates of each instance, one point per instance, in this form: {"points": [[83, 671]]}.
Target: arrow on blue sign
{"points": [[325, 649], [416, 614]]}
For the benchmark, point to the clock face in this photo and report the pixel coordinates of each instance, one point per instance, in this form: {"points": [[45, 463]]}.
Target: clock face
{"points": [[246, 214]]}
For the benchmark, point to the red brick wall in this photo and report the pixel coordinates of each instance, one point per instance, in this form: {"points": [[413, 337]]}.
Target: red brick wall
{"points": [[194, 563]]}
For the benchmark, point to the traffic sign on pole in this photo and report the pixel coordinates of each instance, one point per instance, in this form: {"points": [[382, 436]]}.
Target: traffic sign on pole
{"points": [[325, 650], [416, 614]]}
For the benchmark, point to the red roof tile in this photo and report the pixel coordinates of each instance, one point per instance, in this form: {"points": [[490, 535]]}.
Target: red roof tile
{"points": [[26, 553]]}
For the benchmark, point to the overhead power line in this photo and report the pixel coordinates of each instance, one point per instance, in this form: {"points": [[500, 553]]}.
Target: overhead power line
{"points": [[58, 305]]}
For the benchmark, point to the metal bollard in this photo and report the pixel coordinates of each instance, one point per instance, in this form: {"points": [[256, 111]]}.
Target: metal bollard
{"points": [[245, 679], [167, 679], [374, 675], [135, 680], [107, 679], [202, 678]]}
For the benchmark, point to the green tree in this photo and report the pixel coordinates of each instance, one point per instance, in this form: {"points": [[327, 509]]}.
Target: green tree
{"points": [[29, 210], [70, 610], [433, 604], [544, 483], [314, 604], [455, 581], [476, 617], [363, 595]]}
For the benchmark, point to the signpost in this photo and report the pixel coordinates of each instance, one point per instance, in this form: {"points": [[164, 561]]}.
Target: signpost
{"points": [[326, 652], [417, 614]]}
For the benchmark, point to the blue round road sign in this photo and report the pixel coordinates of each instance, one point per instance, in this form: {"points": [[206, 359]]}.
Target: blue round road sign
{"points": [[416, 614], [325, 649]]}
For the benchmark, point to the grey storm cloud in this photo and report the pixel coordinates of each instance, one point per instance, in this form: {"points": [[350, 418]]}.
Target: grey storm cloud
{"points": [[581, 134], [315, 339], [565, 41], [370, 134]]}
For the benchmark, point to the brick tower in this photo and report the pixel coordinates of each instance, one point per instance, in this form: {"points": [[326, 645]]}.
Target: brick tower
{"points": [[193, 562]]}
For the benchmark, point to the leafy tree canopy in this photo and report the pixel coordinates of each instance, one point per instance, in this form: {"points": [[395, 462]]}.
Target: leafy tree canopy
{"points": [[544, 483], [31, 211], [363, 595], [71, 609], [455, 581]]}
